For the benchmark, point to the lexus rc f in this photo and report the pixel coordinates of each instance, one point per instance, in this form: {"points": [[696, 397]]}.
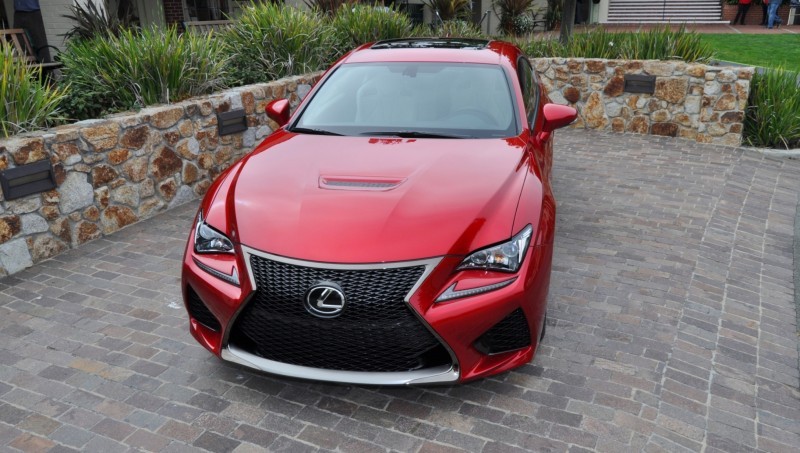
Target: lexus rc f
{"points": [[397, 228]]}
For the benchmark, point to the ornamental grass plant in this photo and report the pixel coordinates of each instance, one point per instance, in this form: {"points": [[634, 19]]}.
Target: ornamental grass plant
{"points": [[772, 118], [358, 24], [269, 41], [509, 12], [328, 7], [449, 9], [450, 29], [90, 19], [27, 102], [147, 67], [659, 43]]}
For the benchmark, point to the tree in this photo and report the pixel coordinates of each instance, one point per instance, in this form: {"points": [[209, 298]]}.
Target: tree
{"points": [[567, 20]]}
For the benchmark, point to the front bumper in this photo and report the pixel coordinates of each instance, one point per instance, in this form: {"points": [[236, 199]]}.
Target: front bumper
{"points": [[457, 323]]}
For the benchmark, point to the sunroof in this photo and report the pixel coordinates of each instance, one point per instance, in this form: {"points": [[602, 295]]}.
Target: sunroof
{"points": [[431, 43]]}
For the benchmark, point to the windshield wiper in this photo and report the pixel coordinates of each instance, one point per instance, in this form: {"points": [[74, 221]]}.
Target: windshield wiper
{"points": [[307, 130], [411, 134]]}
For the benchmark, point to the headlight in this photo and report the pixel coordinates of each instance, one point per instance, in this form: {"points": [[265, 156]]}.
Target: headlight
{"points": [[506, 257], [209, 240]]}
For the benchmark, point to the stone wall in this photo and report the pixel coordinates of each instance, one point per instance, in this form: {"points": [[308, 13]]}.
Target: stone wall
{"points": [[119, 170], [692, 101]]}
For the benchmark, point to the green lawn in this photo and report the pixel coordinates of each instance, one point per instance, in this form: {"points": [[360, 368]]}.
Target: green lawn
{"points": [[759, 50]]}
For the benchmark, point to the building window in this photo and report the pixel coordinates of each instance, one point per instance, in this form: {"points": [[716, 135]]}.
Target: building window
{"points": [[202, 10]]}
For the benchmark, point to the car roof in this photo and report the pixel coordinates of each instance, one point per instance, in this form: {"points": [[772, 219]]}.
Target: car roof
{"points": [[455, 50]]}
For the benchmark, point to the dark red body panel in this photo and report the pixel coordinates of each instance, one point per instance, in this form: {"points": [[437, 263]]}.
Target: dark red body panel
{"points": [[451, 197]]}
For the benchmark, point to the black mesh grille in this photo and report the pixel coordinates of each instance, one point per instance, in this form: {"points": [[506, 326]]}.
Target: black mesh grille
{"points": [[375, 332], [201, 313], [509, 334]]}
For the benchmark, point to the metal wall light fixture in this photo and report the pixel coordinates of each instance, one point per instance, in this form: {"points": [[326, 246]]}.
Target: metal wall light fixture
{"points": [[231, 122], [28, 179], [639, 83]]}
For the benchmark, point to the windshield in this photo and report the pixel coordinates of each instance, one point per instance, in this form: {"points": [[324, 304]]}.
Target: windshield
{"points": [[444, 100]]}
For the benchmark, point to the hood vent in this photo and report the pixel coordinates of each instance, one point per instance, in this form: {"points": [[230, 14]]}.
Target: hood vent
{"points": [[359, 183]]}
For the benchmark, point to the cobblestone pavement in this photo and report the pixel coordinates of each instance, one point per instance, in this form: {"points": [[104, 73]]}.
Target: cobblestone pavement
{"points": [[671, 328]]}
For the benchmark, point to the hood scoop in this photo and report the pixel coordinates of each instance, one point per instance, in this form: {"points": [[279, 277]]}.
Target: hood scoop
{"points": [[370, 183]]}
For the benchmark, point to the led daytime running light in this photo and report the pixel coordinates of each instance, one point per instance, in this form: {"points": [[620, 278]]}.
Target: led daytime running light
{"points": [[233, 278], [451, 292]]}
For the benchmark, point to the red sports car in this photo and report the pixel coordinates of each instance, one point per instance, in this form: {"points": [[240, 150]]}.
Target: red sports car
{"points": [[397, 229]]}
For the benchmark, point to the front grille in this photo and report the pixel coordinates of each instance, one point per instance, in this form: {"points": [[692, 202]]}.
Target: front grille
{"points": [[376, 331], [199, 311], [507, 335]]}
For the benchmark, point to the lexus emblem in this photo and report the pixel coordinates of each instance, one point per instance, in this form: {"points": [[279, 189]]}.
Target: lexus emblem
{"points": [[325, 300]]}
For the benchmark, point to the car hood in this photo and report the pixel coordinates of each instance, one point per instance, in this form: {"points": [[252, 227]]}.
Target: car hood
{"points": [[368, 200]]}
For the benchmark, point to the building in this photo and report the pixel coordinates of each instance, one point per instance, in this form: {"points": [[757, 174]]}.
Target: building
{"points": [[657, 11], [163, 12]]}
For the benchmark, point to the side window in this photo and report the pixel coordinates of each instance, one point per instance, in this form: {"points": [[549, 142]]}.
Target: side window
{"points": [[530, 89], [525, 82]]}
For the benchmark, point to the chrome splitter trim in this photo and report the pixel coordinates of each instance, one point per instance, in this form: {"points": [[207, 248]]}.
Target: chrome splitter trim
{"points": [[437, 375]]}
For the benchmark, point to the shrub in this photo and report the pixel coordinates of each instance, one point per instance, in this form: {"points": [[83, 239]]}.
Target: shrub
{"points": [[450, 9], [656, 44], [451, 29], [772, 118], [596, 43], [271, 41], [509, 12], [359, 24], [524, 24], [26, 101], [138, 69], [661, 43], [91, 20], [328, 7], [553, 14], [541, 47]]}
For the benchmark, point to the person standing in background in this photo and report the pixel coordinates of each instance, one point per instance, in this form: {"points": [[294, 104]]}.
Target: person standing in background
{"points": [[764, 7], [744, 5], [28, 15], [773, 13]]}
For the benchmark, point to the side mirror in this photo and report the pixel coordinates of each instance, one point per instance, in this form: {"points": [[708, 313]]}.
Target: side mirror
{"points": [[557, 116], [278, 111]]}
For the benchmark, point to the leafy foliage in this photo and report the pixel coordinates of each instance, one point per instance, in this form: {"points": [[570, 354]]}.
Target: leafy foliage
{"points": [[664, 44], [509, 11], [139, 69], [772, 118], [92, 20], [359, 24], [450, 9], [524, 24], [656, 44], [328, 7], [553, 14], [26, 102], [450, 29], [271, 41]]}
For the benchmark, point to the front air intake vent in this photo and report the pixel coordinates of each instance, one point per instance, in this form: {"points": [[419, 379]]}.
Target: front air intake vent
{"points": [[507, 335], [376, 331], [201, 313], [358, 183]]}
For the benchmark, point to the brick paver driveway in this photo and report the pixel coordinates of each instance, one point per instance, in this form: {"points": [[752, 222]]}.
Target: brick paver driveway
{"points": [[671, 327]]}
